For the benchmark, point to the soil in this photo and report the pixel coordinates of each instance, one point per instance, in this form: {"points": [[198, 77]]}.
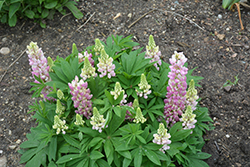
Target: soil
{"points": [[217, 47]]}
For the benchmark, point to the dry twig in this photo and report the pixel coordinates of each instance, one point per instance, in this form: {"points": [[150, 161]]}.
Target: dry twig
{"points": [[64, 16], [85, 22], [12, 65], [140, 18]]}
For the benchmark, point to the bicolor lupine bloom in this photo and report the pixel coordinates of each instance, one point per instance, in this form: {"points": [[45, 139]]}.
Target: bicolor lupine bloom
{"points": [[143, 87], [81, 58], [39, 67], [152, 51], [175, 99], [98, 46], [162, 137], [59, 125], [79, 121], [88, 71], [97, 120], [139, 117], [188, 119], [116, 93], [59, 107], [191, 95], [105, 65], [81, 97]]}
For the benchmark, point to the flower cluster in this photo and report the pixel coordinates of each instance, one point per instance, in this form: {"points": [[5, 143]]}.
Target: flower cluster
{"points": [[98, 46], [40, 67], [59, 107], [79, 120], [191, 95], [152, 51], [88, 70], [118, 90], [188, 119], [81, 57], [59, 125], [162, 137], [97, 120], [139, 117], [175, 99], [81, 97], [105, 65], [143, 87]]}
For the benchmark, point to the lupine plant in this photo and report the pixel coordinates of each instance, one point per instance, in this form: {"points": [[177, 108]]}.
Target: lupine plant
{"points": [[111, 105]]}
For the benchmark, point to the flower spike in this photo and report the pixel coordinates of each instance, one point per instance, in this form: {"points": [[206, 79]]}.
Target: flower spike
{"points": [[79, 120], [97, 120], [98, 46], [191, 95], [59, 125], [143, 87], [88, 71], [139, 117], [152, 52], [162, 137]]}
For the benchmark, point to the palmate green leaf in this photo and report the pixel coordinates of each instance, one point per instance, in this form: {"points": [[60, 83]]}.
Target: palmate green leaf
{"points": [[27, 155], [71, 140], [152, 156], [197, 163], [67, 158], [175, 127], [115, 123], [138, 158], [126, 162], [67, 70], [52, 148], [89, 131], [110, 97], [102, 163], [95, 141], [180, 135], [60, 74], [96, 155], [76, 12], [52, 164], [38, 159]]}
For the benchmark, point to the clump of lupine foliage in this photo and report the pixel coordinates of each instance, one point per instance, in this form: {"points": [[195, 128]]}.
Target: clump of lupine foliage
{"points": [[111, 105]]}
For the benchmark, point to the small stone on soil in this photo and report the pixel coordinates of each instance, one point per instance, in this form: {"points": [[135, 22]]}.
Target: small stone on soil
{"points": [[12, 147], [227, 136], [3, 161], [5, 50], [227, 88]]}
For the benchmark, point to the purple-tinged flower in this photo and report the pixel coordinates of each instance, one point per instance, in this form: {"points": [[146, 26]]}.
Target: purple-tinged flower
{"points": [[162, 137], [188, 119], [175, 99], [97, 120], [81, 97], [81, 58], [143, 87], [59, 125], [191, 95], [105, 65], [88, 71], [152, 51], [40, 67]]}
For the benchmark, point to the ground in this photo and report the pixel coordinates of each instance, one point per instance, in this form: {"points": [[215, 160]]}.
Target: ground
{"points": [[208, 35]]}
